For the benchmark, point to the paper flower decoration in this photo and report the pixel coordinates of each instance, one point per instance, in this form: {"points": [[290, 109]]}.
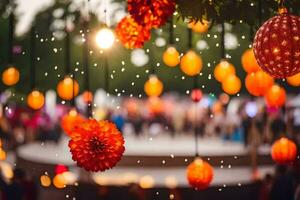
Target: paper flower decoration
{"points": [[96, 145]]}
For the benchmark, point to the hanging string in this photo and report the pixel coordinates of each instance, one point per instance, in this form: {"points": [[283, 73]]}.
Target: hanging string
{"points": [[260, 12], [106, 73], [11, 24], [67, 48], [223, 41], [196, 131], [171, 31], [281, 4], [32, 58], [251, 34], [190, 38]]}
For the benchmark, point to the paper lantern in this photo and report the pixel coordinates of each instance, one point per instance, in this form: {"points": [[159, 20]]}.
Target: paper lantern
{"points": [[232, 85], [87, 97], [275, 96], [284, 151], [196, 95], [70, 121], [199, 174], [35, 100], [153, 87], [294, 80], [60, 169], [2, 154], [59, 181], [45, 180], [258, 83], [249, 62], [171, 57], [223, 70], [277, 45], [191, 63], [65, 88], [10, 76], [155, 105], [199, 26]]}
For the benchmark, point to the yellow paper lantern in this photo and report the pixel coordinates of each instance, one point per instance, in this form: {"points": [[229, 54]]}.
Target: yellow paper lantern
{"points": [[232, 85], [171, 57], [294, 80], [35, 100], [199, 26], [191, 63], [249, 62], [223, 70], [45, 181], [153, 87], [10, 76], [65, 88]]}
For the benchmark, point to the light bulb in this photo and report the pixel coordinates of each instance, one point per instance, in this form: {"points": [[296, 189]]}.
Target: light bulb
{"points": [[105, 38]]}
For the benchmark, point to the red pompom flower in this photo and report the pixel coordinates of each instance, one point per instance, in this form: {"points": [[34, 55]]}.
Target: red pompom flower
{"points": [[153, 13], [131, 34], [96, 146]]}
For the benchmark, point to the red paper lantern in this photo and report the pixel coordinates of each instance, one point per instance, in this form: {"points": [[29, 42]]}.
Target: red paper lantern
{"points": [[275, 97], [96, 145], [258, 83], [199, 174], [60, 169], [87, 97], [131, 34], [152, 13], [284, 151], [196, 95], [70, 120], [277, 45]]}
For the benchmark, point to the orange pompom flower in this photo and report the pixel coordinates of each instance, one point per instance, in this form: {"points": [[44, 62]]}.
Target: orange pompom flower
{"points": [[131, 34], [96, 145]]}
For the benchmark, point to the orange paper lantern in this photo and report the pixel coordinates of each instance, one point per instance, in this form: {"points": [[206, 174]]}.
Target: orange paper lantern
{"points": [[35, 100], [65, 88], [171, 57], [87, 97], [199, 26], [258, 83], [275, 97], [249, 62], [10, 76], [191, 63], [284, 151], [155, 105], [199, 174], [232, 85], [223, 70], [153, 87], [70, 121], [294, 80], [59, 181], [45, 180]]}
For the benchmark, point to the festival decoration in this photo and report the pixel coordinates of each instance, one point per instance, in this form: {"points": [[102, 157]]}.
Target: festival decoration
{"points": [[131, 34], [223, 70], [60, 169], [275, 96], [67, 88], [284, 151], [199, 26], [153, 87], [249, 62], [196, 95], [96, 145], [10, 76], [232, 84], [59, 181], [155, 105], [2, 154], [87, 96], [258, 83], [171, 57], [70, 120], [35, 100], [152, 13], [191, 63], [45, 180], [105, 38], [276, 45], [199, 174], [294, 80]]}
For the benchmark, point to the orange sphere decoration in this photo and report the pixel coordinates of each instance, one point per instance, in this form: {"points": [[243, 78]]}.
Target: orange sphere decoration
{"points": [[199, 174], [284, 151], [10, 76], [153, 87], [171, 57], [276, 96], [65, 88], [223, 70], [87, 97], [249, 62], [191, 63], [70, 121], [294, 80], [199, 26], [35, 100], [232, 85], [258, 83], [155, 105]]}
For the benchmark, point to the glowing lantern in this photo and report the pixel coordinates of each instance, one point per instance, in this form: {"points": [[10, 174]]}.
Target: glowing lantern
{"points": [[191, 63], [10, 76], [87, 97], [276, 96], [153, 87], [59, 181], [224, 98], [35, 100], [258, 83], [284, 151], [199, 26], [155, 105], [45, 181], [232, 85], [2, 154], [249, 62], [294, 80], [70, 120], [223, 70], [60, 169], [196, 95], [105, 38], [146, 182], [65, 88], [171, 57], [199, 174]]}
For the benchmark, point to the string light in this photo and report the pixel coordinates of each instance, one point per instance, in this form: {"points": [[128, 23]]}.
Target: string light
{"points": [[105, 38]]}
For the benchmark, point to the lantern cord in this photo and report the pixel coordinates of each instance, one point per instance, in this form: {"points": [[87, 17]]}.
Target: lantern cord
{"points": [[106, 73], [67, 48], [251, 34], [11, 24], [190, 38], [73, 91], [32, 57], [196, 81], [196, 131], [281, 4], [260, 12], [171, 32], [222, 40]]}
